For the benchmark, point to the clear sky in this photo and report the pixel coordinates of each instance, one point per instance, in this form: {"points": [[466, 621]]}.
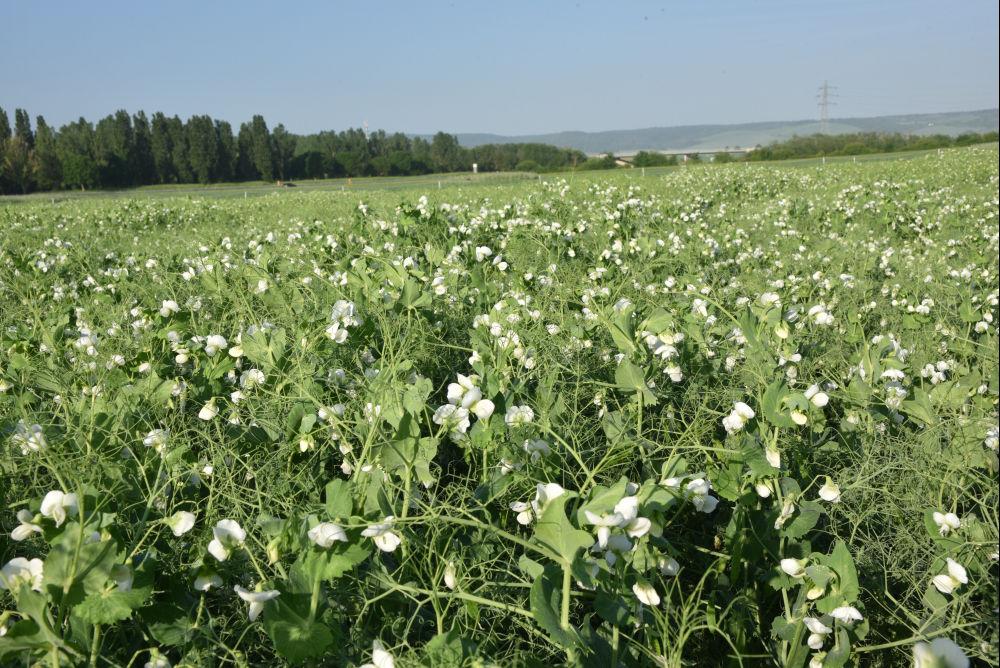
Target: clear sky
{"points": [[501, 66]]}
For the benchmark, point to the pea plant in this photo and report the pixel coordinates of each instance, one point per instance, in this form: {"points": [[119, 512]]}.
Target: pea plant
{"points": [[728, 416]]}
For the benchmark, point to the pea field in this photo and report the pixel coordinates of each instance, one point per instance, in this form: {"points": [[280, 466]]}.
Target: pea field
{"points": [[716, 415]]}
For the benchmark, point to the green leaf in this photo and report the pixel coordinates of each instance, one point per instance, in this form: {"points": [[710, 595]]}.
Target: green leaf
{"points": [[331, 563], [841, 652], [294, 637], [529, 566], [447, 649], [339, 499], [415, 396], [845, 589], [108, 607], [554, 531], [71, 572], [920, 408], [611, 608], [805, 519], [546, 602]]}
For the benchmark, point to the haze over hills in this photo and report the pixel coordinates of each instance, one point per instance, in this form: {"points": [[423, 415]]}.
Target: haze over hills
{"points": [[744, 135]]}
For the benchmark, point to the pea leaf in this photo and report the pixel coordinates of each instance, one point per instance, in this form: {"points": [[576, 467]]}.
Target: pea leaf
{"points": [[546, 602], [554, 531]]}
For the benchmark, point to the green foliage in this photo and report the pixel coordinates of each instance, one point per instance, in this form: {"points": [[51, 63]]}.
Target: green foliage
{"points": [[596, 421]]}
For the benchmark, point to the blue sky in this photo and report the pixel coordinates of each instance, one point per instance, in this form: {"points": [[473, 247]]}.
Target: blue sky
{"points": [[502, 66]]}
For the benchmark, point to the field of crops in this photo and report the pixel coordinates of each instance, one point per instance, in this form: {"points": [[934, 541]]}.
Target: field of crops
{"points": [[722, 416]]}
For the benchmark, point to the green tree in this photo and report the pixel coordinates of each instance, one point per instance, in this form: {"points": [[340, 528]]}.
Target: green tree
{"points": [[114, 146], [4, 138], [144, 166], [47, 166], [245, 168], [284, 150], [4, 128], [179, 150], [446, 154], [203, 151], [225, 162], [162, 147], [261, 148], [22, 128], [75, 143], [17, 164]]}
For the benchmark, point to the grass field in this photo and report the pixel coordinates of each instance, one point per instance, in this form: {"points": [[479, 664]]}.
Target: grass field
{"points": [[718, 415], [430, 181]]}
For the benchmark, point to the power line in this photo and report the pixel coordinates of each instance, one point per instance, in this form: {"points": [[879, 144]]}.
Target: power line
{"points": [[824, 106]]}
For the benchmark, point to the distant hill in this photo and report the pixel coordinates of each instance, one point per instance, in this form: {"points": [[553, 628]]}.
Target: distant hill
{"points": [[744, 135]]}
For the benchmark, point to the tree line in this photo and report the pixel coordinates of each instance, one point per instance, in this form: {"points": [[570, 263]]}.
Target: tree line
{"points": [[123, 150], [862, 143], [810, 146]]}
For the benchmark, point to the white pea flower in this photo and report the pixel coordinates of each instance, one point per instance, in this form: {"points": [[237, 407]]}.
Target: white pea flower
{"points": [[646, 593], [57, 505], [737, 419], [818, 398], [336, 333], [26, 527], [773, 456], [817, 632], [29, 439], [181, 522], [763, 489], [454, 418], [252, 378], [518, 416], [483, 252], [787, 510], [799, 418], [450, 580], [157, 439], [214, 343], [946, 522], [544, 494], [954, 578], [380, 657], [466, 385], [385, 539], [604, 524], [628, 509], [169, 307], [795, 568], [228, 535], [846, 614], [207, 579], [830, 491], [770, 299], [523, 510], [326, 534], [20, 571], [699, 490], [939, 653], [208, 411], [256, 599], [668, 566]]}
